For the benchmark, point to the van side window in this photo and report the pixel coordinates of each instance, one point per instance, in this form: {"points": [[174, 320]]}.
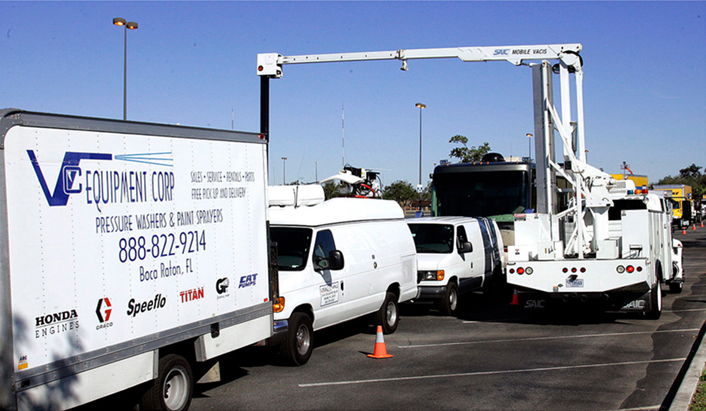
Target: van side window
{"points": [[323, 244], [461, 235]]}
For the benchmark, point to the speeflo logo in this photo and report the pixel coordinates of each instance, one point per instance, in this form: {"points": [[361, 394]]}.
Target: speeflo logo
{"points": [[134, 308], [104, 186], [103, 311]]}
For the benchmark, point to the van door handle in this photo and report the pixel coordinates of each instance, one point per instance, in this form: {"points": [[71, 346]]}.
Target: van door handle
{"points": [[341, 285]]}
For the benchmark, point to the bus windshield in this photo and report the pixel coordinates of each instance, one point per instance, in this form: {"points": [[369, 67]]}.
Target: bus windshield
{"points": [[487, 194]]}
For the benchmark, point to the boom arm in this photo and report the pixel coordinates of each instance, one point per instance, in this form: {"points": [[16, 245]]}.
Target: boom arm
{"points": [[270, 64], [547, 117]]}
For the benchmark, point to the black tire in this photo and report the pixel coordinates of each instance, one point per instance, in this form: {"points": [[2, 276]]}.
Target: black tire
{"points": [[676, 287], [173, 388], [299, 343], [655, 303], [388, 316], [449, 304]]}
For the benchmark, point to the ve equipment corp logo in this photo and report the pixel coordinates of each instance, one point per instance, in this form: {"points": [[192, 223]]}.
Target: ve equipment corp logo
{"points": [[108, 186]]}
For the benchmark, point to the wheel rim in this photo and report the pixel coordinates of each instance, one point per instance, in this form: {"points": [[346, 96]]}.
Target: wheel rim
{"points": [[391, 313], [303, 340], [176, 389], [453, 300]]}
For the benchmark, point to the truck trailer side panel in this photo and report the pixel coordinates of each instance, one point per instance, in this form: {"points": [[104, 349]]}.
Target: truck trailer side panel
{"points": [[122, 238]]}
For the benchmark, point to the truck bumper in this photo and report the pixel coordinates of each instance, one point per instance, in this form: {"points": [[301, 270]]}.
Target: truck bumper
{"points": [[431, 293], [582, 277], [278, 334]]}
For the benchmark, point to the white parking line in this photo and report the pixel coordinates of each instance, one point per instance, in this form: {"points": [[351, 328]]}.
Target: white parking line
{"points": [[480, 373], [680, 311], [545, 338]]}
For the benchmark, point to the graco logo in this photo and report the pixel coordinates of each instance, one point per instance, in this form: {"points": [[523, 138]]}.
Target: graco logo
{"points": [[103, 311]]}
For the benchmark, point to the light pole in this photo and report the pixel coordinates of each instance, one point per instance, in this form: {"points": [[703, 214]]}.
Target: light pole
{"points": [[530, 148], [316, 170], [119, 21], [419, 187], [284, 169]]}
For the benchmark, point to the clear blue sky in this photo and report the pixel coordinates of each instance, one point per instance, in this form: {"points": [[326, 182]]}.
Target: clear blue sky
{"points": [[194, 63]]}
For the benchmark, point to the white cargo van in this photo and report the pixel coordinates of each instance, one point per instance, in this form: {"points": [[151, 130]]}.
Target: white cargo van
{"points": [[456, 255], [338, 259]]}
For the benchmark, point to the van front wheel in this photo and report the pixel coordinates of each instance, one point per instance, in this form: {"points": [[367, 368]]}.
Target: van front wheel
{"points": [[389, 314], [299, 343], [449, 303]]}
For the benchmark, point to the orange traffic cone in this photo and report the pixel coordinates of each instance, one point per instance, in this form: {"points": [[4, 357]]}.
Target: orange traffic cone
{"points": [[693, 227], [683, 231], [515, 298], [702, 224], [380, 350]]}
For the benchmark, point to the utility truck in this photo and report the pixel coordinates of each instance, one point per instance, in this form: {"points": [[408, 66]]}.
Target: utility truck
{"points": [[681, 195], [131, 255], [603, 229]]}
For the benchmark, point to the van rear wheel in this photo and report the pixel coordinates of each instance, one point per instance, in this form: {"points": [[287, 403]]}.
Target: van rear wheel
{"points": [[299, 343], [173, 388], [389, 314], [449, 304]]}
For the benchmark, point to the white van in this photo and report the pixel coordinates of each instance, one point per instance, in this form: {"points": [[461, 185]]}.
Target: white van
{"points": [[338, 259], [456, 255]]}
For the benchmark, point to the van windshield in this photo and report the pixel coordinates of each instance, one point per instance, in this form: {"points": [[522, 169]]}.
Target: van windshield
{"points": [[292, 247], [433, 238]]}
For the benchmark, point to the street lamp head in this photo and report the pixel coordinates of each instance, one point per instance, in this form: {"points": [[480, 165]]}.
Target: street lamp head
{"points": [[529, 135], [420, 105], [132, 25], [119, 21], [284, 158]]}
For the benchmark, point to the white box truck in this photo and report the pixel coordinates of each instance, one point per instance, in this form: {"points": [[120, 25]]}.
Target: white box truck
{"points": [[130, 254]]}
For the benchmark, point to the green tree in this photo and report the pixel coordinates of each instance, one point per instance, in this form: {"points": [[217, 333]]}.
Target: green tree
{"points": [[331, 190], [467, 154], [690, 176], [402, 192]]}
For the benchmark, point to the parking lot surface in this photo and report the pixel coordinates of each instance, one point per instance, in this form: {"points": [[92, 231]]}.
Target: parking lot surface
{"points": [[490, 356]]}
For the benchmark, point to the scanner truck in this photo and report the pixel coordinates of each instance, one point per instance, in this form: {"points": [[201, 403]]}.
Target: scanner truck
{"points": [[131, 255], [592, 238]]}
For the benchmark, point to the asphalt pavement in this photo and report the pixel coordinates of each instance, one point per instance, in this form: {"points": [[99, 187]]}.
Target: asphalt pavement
{"points": [[490, 356]]}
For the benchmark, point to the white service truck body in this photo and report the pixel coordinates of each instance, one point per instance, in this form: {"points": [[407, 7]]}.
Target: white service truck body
{"points": [[122, 241], [629, 254]]}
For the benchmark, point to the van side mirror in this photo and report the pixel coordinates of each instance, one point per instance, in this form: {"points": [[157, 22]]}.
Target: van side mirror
{"points": [[465, 247], [333, 262]]}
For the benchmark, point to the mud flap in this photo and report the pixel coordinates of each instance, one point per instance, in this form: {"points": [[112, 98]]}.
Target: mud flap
{"points": [[531, 301], [630, 304]]}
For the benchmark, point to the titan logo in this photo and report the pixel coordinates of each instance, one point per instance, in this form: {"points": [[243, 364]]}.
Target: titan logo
{"points": [[67, 181], [103, 310]]}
